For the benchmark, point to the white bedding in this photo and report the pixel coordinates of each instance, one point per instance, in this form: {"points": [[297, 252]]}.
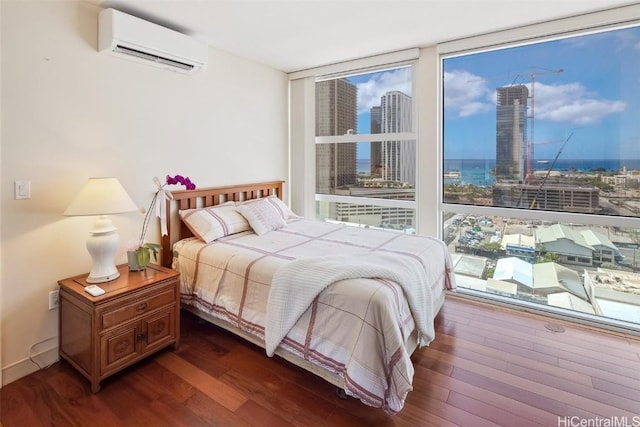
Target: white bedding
{"points": [[357, 328], [295, 285]]}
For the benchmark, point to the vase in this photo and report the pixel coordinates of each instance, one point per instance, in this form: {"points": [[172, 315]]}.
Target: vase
{"points": [[139, 259]]}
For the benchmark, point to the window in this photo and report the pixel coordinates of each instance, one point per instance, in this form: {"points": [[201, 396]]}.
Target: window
{"points": [[541, 172], [365, 153]]}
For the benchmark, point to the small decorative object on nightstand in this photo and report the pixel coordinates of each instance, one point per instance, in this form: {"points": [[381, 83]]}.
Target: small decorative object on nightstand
{"points": [[139, 252], [138, 314]]}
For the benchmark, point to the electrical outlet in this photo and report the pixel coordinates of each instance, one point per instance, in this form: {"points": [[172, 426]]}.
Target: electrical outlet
{"points": [[53, 299]]}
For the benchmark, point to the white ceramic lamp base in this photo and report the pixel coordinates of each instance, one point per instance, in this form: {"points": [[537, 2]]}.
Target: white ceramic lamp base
{"points": [[102, 245]]}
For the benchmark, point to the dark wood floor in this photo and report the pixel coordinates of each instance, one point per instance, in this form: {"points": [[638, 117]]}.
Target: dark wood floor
{"points": [[488, 366]]}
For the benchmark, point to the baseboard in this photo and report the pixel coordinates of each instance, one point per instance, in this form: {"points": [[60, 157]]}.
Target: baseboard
{"points": [[25, 367]]}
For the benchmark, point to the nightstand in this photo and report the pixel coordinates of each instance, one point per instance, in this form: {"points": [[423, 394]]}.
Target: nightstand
{"points": [[138, 314]]}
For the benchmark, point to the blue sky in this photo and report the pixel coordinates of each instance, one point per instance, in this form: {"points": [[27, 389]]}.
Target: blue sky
{"points": [[596, 96]]}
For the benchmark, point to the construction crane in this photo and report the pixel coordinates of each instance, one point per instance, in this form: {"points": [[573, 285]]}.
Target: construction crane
{"points": [[535, 197], [555, 141], [552, 141], [533, 73], [531, 141]]}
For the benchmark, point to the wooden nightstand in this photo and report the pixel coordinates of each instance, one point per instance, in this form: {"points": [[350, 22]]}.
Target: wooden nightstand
{"points": [[138, 315]]}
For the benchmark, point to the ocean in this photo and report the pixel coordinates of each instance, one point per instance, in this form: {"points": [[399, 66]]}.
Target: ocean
{"points": [[364, 166], [479, 172]]}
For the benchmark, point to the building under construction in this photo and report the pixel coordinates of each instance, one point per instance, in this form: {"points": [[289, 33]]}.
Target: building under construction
{"points": [[516, 186], [551, 196], [511, 133]]}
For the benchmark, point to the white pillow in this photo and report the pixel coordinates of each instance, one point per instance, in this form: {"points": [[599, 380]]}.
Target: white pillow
{"points": [[263, 215], [285, 211], [213, 222]]}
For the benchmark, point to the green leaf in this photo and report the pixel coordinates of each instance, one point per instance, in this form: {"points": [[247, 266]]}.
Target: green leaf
{"points": [[143, 257], [153, 248]]}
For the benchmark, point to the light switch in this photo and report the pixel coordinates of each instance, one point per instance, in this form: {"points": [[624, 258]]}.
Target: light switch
{"points": [[22, 190]]}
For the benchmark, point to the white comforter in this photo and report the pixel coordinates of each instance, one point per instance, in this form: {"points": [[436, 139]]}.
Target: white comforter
{"points": [[295, 285], [357, 328]]}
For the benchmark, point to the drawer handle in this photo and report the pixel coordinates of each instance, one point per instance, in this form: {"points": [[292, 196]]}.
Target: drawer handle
{"points": [[141, 307]]}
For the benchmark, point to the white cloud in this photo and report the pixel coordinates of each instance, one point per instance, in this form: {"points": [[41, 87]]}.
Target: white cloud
{"points": [[467, 94], [473, 108], [369, 92], [572, 103]]}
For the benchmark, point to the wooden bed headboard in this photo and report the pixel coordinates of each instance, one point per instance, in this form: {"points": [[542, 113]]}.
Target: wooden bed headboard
{"points": [[204, 197]]}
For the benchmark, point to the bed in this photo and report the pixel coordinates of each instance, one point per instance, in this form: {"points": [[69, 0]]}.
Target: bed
{"points": [[345, 303]]}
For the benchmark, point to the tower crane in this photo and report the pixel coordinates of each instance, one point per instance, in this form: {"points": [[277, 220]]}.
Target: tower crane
{"points": [[531, 142], [535, 197]]}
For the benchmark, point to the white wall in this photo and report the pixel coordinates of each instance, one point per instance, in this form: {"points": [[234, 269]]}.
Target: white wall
{"points": [[69, 113]]}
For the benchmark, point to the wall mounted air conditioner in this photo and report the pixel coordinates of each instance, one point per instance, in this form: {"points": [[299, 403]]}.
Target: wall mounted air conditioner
{"points": [[143, 41]]}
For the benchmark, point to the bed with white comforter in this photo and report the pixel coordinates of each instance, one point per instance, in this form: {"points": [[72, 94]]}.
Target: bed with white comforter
{"points": [[348, 300]]}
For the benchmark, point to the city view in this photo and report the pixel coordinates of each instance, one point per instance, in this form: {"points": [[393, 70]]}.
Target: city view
{"points": [[554, 131], [373, 104], [545, 127]]}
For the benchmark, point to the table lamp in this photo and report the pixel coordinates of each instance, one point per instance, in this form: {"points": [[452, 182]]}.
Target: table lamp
{"points": [[102, 196]]}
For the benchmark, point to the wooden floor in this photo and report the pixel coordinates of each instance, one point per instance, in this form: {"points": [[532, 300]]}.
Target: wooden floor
{"points": [[488, 366]]}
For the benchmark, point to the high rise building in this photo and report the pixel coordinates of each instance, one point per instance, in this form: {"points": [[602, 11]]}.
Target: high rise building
{"points": [[511, 133], [376, 146], [336, 114], [398, 158]]}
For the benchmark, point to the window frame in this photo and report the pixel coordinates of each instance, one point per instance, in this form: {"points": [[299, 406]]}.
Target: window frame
{"points": [[427, 87], [375, 137], [476, 47], [613, 19]]}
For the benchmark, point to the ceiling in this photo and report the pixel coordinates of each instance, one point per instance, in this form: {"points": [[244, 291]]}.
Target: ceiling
{"points": [[293, 35]]}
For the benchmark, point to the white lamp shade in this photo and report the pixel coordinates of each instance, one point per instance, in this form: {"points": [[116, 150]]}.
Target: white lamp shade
{"points": [[101, 196]]}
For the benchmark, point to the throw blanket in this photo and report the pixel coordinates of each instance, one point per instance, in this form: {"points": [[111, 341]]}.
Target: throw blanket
{"points": [[296, 284]]}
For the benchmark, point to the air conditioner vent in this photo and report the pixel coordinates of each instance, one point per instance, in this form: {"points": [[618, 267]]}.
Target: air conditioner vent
{"points": [[150, 57]]}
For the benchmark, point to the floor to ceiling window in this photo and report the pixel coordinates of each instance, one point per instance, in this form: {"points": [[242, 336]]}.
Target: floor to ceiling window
{"points": [[365, 156], [541, 172]]}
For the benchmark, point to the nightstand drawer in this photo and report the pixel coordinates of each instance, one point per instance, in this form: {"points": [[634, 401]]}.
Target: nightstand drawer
{"points": [[136, 308]]}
